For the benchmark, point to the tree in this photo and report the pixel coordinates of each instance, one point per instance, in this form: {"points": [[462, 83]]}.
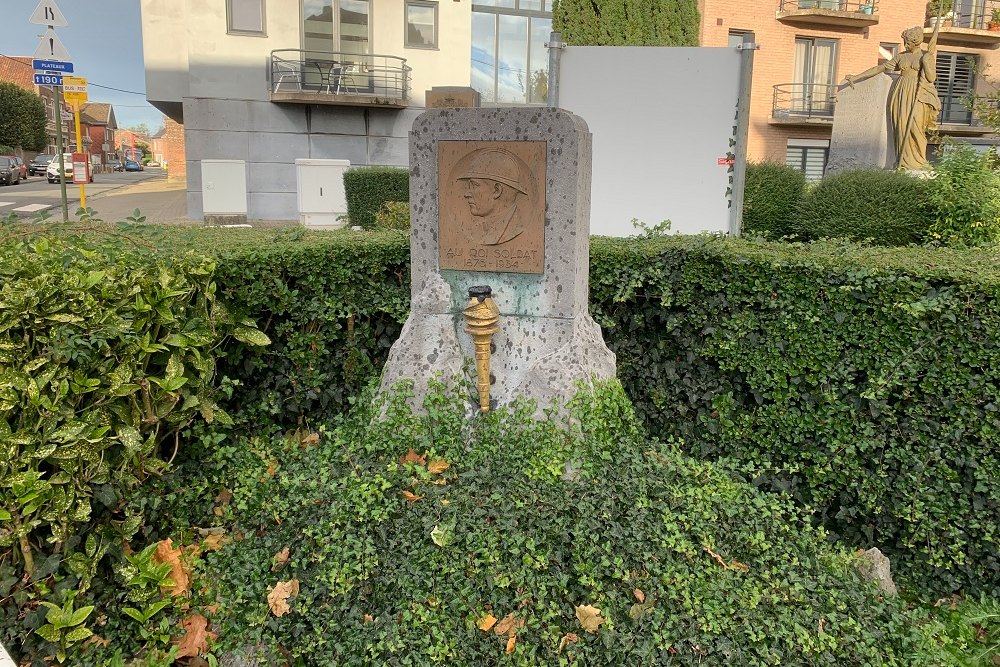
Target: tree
{"points": [[23, 115], [627, 22], [139, 129]]}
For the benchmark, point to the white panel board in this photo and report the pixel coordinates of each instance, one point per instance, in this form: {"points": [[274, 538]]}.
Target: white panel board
{"points": [[224, 187], [662, 118], [321, 197]]}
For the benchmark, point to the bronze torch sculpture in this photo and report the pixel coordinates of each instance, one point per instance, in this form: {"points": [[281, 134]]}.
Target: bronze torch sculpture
{"points": [[482, 319]]}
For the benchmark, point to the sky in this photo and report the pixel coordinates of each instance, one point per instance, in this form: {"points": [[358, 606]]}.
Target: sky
{"points": [[104, 40]]}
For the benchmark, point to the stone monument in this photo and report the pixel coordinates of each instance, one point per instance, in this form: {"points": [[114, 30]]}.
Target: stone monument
{"points": [[861, 132], [499, 247]]}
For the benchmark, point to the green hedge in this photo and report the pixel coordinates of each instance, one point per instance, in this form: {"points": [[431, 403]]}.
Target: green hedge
{"points": [[861, 380], [771, 199], [368, 189], [886, 207]]}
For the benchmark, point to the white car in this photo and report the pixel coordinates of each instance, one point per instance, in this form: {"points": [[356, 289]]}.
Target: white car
{"points": [[52, 171]]}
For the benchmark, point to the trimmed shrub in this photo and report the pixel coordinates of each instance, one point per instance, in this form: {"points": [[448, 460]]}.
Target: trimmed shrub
{"points": [[963, 198], [627, 23], [771, 199], [393, 215], [886, 207], [368, 189], [427, 540]]}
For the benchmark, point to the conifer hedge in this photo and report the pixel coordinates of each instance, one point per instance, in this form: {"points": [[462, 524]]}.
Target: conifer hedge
{"points": [[627, 22]]}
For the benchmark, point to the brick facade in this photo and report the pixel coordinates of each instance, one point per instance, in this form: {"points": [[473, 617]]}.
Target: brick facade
{"points": [[857, 50], [173, 150]]}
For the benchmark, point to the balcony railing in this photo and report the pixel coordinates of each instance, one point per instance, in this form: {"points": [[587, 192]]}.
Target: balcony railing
{"points": [[969, 23], [325, 77], [975, 15], [867, 7], [805, 103]]}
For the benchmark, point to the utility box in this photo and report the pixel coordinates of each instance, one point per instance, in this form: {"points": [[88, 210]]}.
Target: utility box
{"points": [[224, 190], [322, 201]]}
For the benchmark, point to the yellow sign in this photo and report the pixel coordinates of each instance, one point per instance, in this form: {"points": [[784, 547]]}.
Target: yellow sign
{"points": [[75, 89]]}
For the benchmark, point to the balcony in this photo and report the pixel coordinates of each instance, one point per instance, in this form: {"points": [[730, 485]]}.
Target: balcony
{"points": [[957, 119], [803, 104], [969, 26], [836, 13], [340, 79]]}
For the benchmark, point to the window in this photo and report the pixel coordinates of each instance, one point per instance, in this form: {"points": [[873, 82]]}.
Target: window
{"points": [[808, 156], [245, 17], [421, 24], [955, 80], [813, 83], [509, 60], [337, 26], [887, 51], [736, 37]]}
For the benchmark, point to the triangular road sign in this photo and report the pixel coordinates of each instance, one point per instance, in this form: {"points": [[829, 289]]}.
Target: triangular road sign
{"points": [[50, 48], [46, 13]]}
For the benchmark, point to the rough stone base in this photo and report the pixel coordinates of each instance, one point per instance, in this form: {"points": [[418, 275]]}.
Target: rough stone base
{"points": [[539, 358]]}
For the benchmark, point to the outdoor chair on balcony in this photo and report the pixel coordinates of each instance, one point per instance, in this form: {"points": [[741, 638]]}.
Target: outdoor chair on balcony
{"points": [[286, 73]]}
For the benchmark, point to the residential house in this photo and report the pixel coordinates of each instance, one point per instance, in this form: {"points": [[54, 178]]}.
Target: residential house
{"points": [[98, 127], [271, 81], [808, 46], [18, 70]]}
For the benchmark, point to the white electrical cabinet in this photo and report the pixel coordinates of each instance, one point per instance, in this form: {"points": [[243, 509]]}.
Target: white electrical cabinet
{"points": [[322, 201], [224, 187]]}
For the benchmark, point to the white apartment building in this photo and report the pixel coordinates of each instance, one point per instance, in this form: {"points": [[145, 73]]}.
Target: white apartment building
{"points": [[272, 81]]}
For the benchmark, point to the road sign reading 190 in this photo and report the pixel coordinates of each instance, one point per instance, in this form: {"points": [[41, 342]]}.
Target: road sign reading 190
{"points": [[48, 79]]}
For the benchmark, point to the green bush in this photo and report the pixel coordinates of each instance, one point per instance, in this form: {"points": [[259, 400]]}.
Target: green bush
{"points": [[368, 189], [406, 535], [393, 215], [771, 199], [106, 353], [864, 382], [886, 207], [963, 198]]}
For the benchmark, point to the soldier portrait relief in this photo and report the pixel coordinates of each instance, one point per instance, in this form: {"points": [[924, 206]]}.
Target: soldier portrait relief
{"points": [[492, 205]]}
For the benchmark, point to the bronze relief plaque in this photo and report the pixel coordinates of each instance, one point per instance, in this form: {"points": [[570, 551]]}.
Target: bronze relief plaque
{"points": [[491, 206]]}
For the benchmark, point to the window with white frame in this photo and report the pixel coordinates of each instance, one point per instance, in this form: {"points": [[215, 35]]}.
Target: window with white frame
{"points": [[808, 156], [245, 17], [421, 24]]}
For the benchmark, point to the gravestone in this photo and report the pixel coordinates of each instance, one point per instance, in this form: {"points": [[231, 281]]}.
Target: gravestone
{"points": [[501, 197], [861, 127]]}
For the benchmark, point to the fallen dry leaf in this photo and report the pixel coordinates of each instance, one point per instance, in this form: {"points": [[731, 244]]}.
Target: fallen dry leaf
{"points": [[511, 641], [439, 466], [412, 497], [214, 542], [504, 626], [716, 557], [165, 553], [739, 567], [196, 637], [822, 624], [639, 595], [488, 623], [224, 498], [279, 559], [589, 617], [311, 439], [277, 599], [567, 639], [413, 457], [369, 618]]}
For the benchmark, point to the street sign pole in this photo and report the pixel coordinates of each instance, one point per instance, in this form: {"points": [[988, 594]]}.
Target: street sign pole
{"points": [[59, 150], [79, 149]]}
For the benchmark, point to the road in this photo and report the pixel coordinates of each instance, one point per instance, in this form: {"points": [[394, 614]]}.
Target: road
{"points": [[36, 194]]}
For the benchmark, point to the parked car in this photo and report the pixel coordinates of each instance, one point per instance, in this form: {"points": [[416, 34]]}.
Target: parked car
{"points": [[116, 165], [152, 163], [52, 171], [132, 165], [21, 167], [39, 163], [10, 171]]}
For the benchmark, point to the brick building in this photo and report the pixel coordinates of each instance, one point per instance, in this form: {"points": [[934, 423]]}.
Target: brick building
{"points": [[98, 127], [18, 70], [808, 46]]}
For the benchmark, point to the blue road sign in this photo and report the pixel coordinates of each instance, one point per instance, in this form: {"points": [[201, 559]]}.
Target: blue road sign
{"points": [[52, 66], [54, 79]]}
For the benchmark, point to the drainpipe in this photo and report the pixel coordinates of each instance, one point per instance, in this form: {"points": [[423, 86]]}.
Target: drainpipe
{"points": [[555, 45]]}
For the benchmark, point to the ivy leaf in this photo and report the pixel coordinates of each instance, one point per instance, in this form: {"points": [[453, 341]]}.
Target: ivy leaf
{"points": [[442, 535], [277, 598], [590, 618]]}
